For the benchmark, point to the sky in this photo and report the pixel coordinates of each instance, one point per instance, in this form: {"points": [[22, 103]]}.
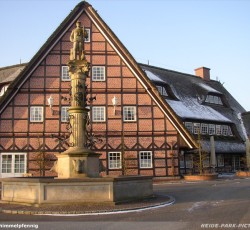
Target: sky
{"points": [[179, 35]]}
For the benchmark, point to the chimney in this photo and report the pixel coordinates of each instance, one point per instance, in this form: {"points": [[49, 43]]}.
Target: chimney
{"points": [[203, 72]]}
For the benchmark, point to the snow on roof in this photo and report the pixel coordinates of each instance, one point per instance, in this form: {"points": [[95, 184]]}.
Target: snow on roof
{"points": [[152, 76], [193, 110], [208, 88]]}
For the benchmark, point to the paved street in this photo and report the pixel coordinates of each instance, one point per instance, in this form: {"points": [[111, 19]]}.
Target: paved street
{"points": [[218, 203]]}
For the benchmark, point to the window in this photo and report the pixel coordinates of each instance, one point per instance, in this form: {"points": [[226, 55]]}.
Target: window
{"points": [[129, 113], [145, 159], [64, 114], [162, 90], [98, 114], [204, 128], [214, 99], [211, 129], [36, 114], [196, 128], [98, 73], [115, 161], [230, 133], [224, 130], [88, 38], [189, 126], [189, 161], [218, 129], [65, 73], [220, 160], [13, 164]]}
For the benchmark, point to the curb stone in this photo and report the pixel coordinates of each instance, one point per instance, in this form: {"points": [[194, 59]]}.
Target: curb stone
{"points": [[170, 201]]}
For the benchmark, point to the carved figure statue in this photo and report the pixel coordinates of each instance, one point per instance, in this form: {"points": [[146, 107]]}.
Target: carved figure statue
{"points": [[77, 37]]}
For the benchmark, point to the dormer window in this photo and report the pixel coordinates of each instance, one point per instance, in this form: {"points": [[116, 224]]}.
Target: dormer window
{"points": [[214, 99], [162, 90]]}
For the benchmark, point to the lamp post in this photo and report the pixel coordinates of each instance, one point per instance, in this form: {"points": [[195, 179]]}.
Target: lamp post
{"points": [[51, 103], [115, 103]]}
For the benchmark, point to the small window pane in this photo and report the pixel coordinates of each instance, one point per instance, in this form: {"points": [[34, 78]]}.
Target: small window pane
{"points": [[211, 129], [129, 113], [98, 73], [218, 129], [189, 126], [115, 160], [145, 159], [204, 129], [196, 128], [88, 33], [64, 113], [6, 163], [13, 163], [98, 114], [36, 114], [65, 73], [164, 91], [224, 130]]}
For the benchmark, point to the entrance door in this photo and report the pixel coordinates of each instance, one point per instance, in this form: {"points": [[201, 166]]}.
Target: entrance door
{"points": [[235, 163]]}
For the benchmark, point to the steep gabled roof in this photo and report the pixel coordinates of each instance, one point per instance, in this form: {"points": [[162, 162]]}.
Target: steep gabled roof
{"points": [[117, 46]]}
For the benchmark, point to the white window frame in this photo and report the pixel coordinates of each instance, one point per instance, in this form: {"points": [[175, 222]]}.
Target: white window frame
{"points": [[224, 130], [132, 110], [65, 74], [64, 113], [197, 128], [211, 129], [214, 99], [230, 132], [220, 160], [218, 130], [204, 129], [162, 90], [34, 109], [13, 157], [159, 88], [98, 113], [189, 126], [88, 32], [101, 73], [115, 160], [148, 162]]}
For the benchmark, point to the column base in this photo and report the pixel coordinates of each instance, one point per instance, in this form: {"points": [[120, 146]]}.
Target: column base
{"points": [[78, 163]]}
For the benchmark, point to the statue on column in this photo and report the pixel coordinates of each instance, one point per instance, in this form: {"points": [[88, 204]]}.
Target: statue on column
{"points": [[78, 36]]}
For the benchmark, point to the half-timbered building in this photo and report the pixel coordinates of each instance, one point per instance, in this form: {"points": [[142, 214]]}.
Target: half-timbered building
{"points": [[143, 120]]}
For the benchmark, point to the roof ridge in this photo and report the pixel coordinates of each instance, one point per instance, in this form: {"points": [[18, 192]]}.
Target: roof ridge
{"points": [[174, 71], [13, 66]]}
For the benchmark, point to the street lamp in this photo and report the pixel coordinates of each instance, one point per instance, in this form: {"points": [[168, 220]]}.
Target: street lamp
{"points": [[114, 102]]}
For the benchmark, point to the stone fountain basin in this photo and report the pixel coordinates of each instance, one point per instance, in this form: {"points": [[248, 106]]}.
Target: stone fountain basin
{"points": [[45, 191]]}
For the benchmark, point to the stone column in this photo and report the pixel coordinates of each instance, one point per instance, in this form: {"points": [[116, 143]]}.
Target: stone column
{"points": [[78, 161]]}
